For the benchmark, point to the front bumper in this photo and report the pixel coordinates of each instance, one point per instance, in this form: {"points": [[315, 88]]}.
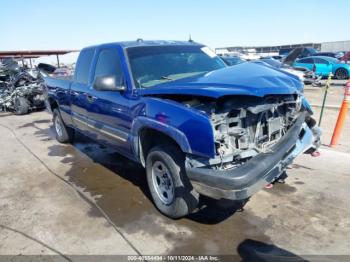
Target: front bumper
{"points": [[242, 182]]}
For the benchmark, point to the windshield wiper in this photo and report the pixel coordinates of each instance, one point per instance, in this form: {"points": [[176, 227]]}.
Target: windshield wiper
{"points": [[167, 78]]}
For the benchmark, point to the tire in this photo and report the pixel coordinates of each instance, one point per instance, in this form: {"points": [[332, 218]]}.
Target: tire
{"points": [[185, 198], [21, 106], [64, 134], [342, 74]]}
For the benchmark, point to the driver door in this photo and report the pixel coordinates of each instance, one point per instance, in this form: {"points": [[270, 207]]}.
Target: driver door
{"points": [[323, 67], [109, 111]]}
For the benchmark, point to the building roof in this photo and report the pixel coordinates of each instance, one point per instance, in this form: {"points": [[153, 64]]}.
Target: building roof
{"points": [[33, 53]]}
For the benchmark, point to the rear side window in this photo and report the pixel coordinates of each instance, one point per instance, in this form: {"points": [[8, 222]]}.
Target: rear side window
{"points": [[306, 61], [108, 63], [320, 61], [83, 65]]}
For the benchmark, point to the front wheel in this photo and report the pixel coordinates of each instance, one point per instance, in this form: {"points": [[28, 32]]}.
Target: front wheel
{"points": [[341, 74], [170, 188]]}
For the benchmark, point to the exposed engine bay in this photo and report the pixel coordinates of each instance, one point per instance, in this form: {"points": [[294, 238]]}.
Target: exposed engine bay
{"points": [[245, 126], [243, 129]]}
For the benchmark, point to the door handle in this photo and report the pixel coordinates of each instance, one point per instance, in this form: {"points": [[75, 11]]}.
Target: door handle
{"points": [[90, 98]]}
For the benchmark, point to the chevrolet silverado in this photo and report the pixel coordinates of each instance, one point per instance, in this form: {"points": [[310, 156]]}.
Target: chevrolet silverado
{"points": [[195, 124]]}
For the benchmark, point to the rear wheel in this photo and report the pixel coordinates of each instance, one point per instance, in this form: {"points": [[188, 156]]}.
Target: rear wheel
{"points": [[341, 74], [21, 106], [64, 134], [170, 188]]}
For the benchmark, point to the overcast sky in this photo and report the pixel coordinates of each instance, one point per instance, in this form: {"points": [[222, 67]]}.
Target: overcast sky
{"points": [[62, 24]]}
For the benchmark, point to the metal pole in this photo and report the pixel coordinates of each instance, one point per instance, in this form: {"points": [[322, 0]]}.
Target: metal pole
{"points": [[322, 108], [328, 83], [58, 61], [31, 63]]}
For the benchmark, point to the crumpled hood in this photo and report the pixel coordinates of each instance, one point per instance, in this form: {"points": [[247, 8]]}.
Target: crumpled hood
{"points": [[242, 79]]}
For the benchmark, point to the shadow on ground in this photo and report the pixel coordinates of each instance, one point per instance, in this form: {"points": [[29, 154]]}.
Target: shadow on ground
{"points": [[119, 187], [210, 211], [257, 251]]}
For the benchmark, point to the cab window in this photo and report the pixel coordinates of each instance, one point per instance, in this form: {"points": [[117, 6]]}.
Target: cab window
{"points": [[108, 63], [83, 65], [320, 61], [306, 61]]}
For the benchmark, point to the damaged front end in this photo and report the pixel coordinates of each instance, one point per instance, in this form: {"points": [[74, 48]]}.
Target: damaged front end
{"points": [[32, 93], [21, 89], [255, 140]]}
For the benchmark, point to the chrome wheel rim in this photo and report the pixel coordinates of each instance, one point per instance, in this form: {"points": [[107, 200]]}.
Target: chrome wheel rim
{"points": [[162, 182], [341, 74], [58, 127]]}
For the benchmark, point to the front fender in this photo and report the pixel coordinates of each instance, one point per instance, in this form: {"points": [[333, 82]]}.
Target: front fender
{"points": [[191, 129], [144, 122]]}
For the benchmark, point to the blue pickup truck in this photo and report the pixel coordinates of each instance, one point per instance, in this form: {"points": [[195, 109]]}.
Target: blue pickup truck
{"points": [[195, 124]]}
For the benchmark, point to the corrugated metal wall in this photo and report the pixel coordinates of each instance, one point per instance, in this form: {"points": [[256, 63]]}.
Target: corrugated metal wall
{"points": [[335, 46]]}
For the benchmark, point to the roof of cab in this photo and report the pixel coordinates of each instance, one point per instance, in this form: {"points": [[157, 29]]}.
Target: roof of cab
{"points": [[328, 58], [140, 42]]}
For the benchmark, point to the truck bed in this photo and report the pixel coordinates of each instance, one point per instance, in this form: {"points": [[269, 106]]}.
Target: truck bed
{"points": [[59, 82]]}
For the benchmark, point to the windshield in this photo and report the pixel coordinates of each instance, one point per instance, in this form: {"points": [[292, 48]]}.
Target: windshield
{"points": [[153, 65]]}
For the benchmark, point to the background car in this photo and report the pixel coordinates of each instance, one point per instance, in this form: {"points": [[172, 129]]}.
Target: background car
{"points": [[233, 60], [307, 51], [346, 57], [305, 75], [324, 65], [46, 68], [272, 62], [62, 72], [330, 54], [276, 57]]}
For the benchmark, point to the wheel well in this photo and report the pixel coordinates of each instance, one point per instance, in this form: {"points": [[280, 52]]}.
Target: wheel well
{"points": [[342, 68], [53, 104], [149, 138]]}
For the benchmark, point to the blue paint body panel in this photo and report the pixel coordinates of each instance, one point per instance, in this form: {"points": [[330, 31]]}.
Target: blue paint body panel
{"points": [[117, 118]]}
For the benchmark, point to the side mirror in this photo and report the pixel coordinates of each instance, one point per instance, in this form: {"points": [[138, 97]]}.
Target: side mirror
{"points": [[107, 83]]}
